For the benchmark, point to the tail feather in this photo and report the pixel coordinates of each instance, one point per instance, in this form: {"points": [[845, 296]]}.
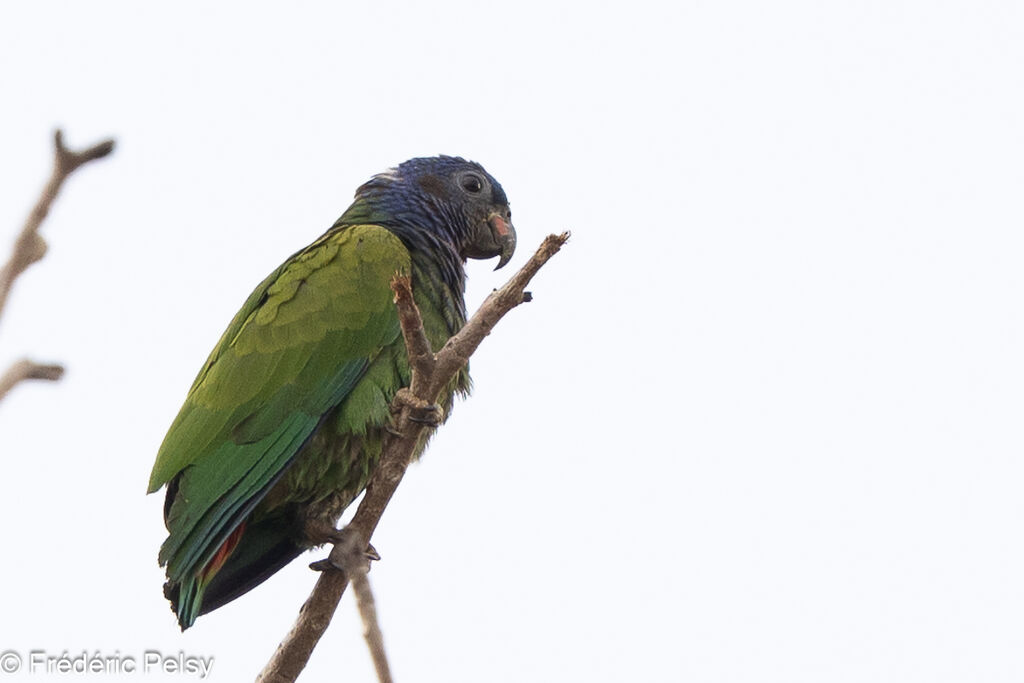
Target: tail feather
{"points": [[248, 557], [265, 548]]}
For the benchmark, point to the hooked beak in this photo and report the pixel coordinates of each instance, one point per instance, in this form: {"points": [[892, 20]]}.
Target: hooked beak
{"points": [[505, 237], [492, 237]]}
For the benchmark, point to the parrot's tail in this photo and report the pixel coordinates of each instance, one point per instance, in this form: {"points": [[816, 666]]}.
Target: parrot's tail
{"points": [[247, 558]]}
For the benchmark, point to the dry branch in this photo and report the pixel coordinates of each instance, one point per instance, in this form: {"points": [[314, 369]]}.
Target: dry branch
{"points": [[430, 374], [29, 247], [26, 369], [371, 628]]}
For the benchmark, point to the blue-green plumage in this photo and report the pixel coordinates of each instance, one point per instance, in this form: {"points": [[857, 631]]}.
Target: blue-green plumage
{"points": [[285, 422]]}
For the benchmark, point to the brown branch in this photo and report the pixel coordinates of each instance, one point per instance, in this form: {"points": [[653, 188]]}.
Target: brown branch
{"points": [[421, 355], [29, 247], [371, 627], [430, 374], [25, 369]]}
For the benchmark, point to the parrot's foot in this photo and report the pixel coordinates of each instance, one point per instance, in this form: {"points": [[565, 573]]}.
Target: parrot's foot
{"points": [[341, 553], [336, 560], [419, 410]]}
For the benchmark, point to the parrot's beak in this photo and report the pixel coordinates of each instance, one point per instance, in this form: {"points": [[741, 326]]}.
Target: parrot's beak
{"points": [[494, 236], [505, 236]]}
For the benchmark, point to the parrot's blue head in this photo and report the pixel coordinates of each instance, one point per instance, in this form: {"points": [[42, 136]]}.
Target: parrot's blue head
{"points": [[439, 199]]}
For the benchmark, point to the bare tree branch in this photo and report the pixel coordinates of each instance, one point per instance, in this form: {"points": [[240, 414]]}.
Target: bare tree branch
{"points": [[371, 627], [421, 355], [29, 247], [26, 369], [430, 374]]}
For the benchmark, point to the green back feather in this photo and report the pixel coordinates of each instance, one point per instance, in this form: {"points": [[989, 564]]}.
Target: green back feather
{"points": [[299, 345]]}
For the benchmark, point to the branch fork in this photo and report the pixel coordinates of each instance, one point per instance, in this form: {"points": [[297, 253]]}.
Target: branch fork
{"points": [[430, 374], [30, 247]]}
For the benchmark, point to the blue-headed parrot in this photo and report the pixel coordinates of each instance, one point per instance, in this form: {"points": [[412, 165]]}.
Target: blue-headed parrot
{"points": [[285, 422]]}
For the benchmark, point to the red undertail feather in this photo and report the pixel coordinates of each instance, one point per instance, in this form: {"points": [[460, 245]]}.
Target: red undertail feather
{"points": [[223, 553]]}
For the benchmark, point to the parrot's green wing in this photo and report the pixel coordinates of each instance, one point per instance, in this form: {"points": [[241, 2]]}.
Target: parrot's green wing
{"points": [[295, 350]]}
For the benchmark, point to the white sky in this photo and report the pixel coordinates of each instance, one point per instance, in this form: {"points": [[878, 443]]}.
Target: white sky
{"points": [[761, 423]]}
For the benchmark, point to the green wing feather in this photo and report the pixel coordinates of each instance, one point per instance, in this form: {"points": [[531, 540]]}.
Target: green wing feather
{"points": [[296, 348]]}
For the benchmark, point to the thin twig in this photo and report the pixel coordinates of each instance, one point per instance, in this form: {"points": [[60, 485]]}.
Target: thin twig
{"points": [[371, 627], [456, 352], [421, 355], [25, 369], [29, 247], [428, 380]]}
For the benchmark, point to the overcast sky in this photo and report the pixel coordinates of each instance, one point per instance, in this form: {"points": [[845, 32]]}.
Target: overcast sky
{"points": [[762, 421]]}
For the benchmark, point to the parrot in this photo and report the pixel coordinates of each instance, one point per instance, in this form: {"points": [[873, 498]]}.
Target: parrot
{"points": [[285, 422]]}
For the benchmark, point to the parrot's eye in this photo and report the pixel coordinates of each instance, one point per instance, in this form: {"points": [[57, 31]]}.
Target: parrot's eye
{"points": [[471, 183]]}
